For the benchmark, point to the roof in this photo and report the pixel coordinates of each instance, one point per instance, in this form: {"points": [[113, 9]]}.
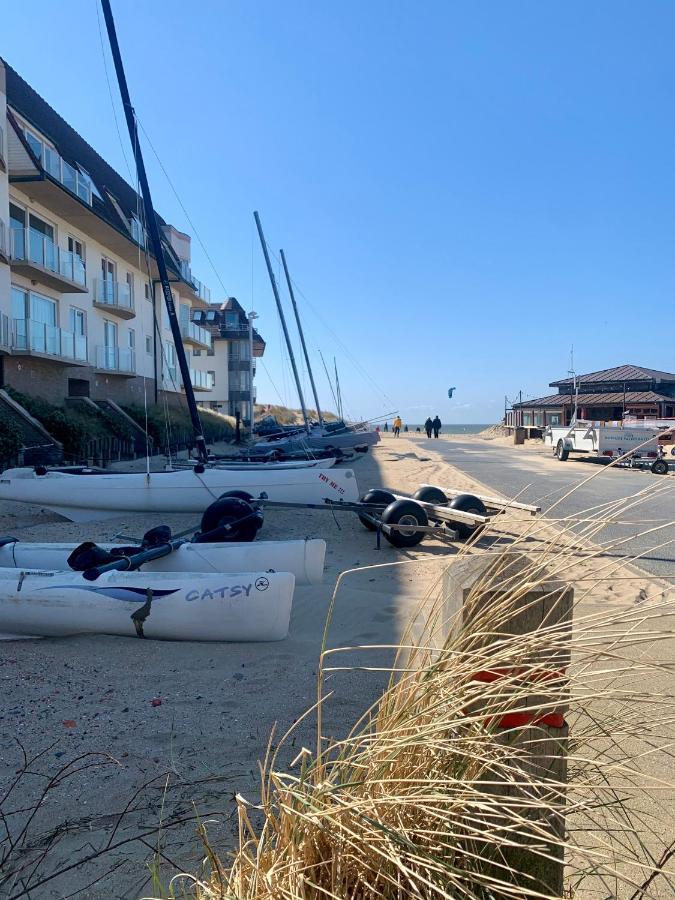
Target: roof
{"points": [[76, 151], [618, 373], [608, 399]]}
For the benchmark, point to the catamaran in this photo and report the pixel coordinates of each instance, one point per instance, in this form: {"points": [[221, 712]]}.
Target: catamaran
{"points": [[304, 559], [254, 606]]}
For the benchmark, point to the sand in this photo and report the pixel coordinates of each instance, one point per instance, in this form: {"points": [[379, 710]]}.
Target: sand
{"points": [[185, 725]]}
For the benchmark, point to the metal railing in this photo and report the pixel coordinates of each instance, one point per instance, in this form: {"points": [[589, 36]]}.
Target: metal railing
{"points": [[115, 359], [203, 380], [191, 331], [39, 337], [29, 245], [201, 290], [71, 179], [4, 249], [113, 293]]}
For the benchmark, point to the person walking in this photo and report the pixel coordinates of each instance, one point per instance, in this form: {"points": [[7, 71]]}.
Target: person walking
{"points": [[397, 426], [428, 425], [437, 425], [386, 426]]}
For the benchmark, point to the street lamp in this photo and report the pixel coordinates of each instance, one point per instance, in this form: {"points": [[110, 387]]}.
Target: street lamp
{"points": [[251, 318]]}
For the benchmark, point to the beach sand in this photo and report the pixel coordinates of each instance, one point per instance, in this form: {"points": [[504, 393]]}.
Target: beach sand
{"points": [[192, 752]]}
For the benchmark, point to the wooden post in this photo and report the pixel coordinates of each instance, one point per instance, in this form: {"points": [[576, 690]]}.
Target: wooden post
{"points": [[489, 602]]}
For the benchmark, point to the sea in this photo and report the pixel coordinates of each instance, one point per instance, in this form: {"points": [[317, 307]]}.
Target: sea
{"points": [[451, 428]]}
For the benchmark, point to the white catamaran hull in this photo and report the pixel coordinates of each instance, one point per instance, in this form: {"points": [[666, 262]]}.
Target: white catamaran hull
{"points": [[304, 559], [183, 606], [83, 498]]}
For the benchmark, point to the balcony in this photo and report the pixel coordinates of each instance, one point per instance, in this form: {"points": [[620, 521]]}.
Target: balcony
{"points": [[199, 289], [193, 334], [114, 297], [39, 339], [3, 152], [201, 381], [116, 360], [240, 365], [37, 257], [67, 175], [235, 332]]}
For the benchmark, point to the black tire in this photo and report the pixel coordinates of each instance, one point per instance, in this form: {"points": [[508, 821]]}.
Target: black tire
{"points": [[405, 512], [233, 512], [672, 452], [376, 495], [470, 504], [429, 494], [561, 451], [659, 467]]}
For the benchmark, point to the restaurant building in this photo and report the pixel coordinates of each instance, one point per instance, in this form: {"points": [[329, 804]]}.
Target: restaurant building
{"points": [[604, 396]]}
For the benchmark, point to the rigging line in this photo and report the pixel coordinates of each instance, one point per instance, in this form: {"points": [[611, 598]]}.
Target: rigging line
{"points": [[271, 381], [185, 212], [112, 102], [335, 337]]}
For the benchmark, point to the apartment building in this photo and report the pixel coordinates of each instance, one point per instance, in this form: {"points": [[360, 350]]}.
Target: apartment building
{"points": [[81, 313], [237, 346]]}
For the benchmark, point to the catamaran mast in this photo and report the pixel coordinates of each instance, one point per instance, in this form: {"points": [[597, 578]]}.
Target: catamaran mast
{"points": [[337, 388], [153, 230], [275, 291], [302, 337]]}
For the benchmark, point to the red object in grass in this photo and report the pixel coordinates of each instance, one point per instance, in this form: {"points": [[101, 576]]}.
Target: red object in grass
{"points": [[155, 701], [69, 723]]}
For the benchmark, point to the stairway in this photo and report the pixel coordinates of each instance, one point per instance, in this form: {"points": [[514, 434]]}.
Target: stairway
{"points": [[39, 447]]}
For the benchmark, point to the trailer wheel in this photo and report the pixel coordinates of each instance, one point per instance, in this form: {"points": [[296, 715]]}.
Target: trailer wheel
{"points": [[231, 519], [409, 513], [240, 495], [659, 467], [429, 494], [672, 452], [561, 451], [470, 504], [383, 498]]}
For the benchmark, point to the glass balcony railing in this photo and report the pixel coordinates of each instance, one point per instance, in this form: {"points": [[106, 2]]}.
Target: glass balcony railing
{"points": [[32, 246], [202, 380], [200, 288], [113, 293], [39, 337], [2, 143], [115, 359], [190, 331], [185, 270], [63, 172], [4, 249], [170, 377]]}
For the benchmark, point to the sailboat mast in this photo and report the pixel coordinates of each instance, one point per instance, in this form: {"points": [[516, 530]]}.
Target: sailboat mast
{"points": [[282, 318], [330, 383], [337, 388], [153, 230], [302, 337]]}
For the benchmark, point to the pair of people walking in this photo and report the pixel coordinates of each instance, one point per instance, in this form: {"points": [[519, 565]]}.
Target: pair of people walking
{"points": [[434, 425]]}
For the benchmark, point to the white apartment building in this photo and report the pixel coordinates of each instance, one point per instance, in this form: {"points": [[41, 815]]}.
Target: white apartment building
{"points": [[79, 313]]}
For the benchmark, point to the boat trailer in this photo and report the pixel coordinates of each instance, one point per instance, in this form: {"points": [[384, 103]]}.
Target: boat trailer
{"points": [[446, 513]]}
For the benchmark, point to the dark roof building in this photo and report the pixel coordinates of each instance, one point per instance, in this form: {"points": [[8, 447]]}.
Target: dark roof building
{"points": [[606, 395]]}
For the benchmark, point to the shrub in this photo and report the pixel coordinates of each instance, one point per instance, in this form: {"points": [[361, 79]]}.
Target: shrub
{"points": [[11, 440]]}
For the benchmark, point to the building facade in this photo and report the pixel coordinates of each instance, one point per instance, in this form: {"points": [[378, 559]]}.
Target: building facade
{"points": [[608, 395], [81, 312], [236, 348]]}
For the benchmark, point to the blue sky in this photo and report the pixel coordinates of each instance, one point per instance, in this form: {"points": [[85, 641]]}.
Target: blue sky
{"points": [[463, 189]]}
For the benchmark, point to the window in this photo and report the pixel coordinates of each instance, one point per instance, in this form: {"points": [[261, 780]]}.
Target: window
{"points": [[212, 376], [77, 321], [34, 143], [107, 280], [148, 344], [211, 351], [131, 339], [130, 285], [148, 290], [553, 418], [196, 352], [35, 319], [41, 241], [137, 231], [77, 247]]}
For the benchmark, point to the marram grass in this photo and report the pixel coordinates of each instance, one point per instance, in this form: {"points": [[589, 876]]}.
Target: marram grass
{"points": [[428, 797]]}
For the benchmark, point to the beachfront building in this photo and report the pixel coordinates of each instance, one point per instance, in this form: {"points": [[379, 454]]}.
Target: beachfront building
{"points": [[604, 396], [236, 347], [81, 311]]}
